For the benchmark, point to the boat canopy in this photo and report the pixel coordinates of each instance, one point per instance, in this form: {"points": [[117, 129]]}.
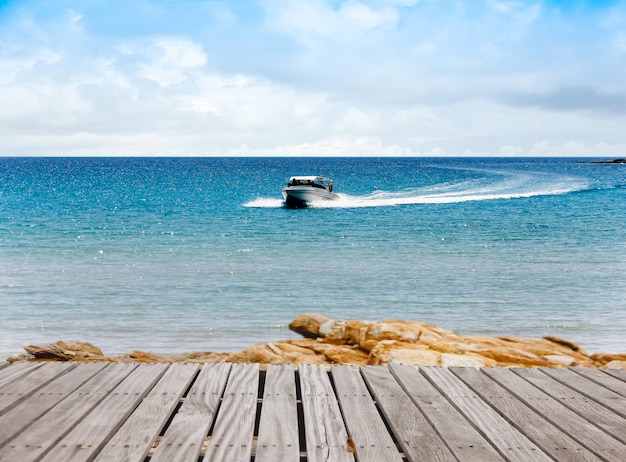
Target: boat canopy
{"points": [[308, 178], [314, 181]]}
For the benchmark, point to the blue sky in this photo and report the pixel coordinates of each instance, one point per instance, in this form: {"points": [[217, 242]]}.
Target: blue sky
{"points": [[313, 77]]}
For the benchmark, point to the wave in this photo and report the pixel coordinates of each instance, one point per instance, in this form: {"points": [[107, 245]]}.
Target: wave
{"points": [[494, 187]]}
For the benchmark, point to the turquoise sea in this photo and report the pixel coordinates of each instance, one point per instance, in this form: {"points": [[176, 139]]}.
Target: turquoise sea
{"points": [[188, 254]]}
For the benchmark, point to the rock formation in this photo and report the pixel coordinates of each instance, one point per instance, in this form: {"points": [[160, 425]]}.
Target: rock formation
{"points": [[331, 341]]}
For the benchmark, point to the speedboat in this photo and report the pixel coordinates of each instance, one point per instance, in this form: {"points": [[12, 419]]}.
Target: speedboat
{"points": [[305, 190]]}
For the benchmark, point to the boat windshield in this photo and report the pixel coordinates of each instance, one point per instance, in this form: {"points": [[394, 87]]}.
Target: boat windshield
{"points": [[315, 182]]}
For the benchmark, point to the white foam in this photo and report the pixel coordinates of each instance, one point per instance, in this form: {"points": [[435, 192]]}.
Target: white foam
{"points": [[265, 202], [500, 186]]}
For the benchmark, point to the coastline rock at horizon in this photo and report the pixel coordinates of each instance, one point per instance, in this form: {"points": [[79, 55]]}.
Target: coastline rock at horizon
{"points": [[614, 161], [330, 341]]}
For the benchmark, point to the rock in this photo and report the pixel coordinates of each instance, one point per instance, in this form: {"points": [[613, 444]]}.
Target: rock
{"points": [[376, 332], [600, 359], [199, 357], [565, 343], [468, 360], [144, 357], [308, 325], [565, 361], [66, 351], [616, 364], [388, 351]]}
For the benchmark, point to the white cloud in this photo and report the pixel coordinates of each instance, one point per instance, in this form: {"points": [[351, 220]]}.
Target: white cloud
{"points": [[520, 10], [312, 20], [171, 61]]}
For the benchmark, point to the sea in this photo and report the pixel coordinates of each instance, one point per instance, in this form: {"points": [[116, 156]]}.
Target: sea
{"points": [[173, 255]]}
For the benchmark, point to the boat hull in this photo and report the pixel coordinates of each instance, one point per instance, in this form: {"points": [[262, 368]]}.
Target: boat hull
{"points": [[303, 196]]}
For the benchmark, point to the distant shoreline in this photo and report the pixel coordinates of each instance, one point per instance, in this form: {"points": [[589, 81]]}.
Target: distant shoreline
{"points": [[614, 161]]}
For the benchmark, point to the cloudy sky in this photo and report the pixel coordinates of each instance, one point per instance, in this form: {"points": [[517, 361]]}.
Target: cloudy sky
{"points": [[313, 77]]}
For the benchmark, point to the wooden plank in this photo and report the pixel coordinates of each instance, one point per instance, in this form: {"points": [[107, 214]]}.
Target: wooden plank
{"points": [[4, 364], [16, 371], [371, 439], [278, 428], [14, 392], [602, 378], [29, 410], [44, 433], [617, 373], [86, 440], [234, 428], [578, 428], [548, 437], [325, 433], [512, 444], [416, 436], [459, 435], [609, 399], [135, 438], [184, 437], [585, 407]]}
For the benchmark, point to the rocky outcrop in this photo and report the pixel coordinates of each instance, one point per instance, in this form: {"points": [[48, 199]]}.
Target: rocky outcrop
{"points": [[331, 341]]}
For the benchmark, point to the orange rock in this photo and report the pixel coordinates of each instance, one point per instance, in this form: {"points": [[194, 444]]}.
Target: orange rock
{"points": [[199, 357], [144, 357], [388, 351], [342, 354], [308, 325], [600, 359], [510, 356], [565, 343], [401, 331], [65, 351], [615, 364], [466, 360]]}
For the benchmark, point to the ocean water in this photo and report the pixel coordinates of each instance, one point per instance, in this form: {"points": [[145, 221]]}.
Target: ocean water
{"points": [[191, 254]]}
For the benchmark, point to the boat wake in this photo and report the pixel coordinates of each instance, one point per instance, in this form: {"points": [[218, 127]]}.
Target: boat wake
{"points": [[500, 186]]}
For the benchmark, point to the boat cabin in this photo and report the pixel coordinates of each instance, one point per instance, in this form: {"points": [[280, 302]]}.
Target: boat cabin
{"points": [[312, 181]]}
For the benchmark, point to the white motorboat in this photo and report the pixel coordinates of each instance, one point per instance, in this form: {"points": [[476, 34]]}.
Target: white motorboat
{"points": [[305, 190]]}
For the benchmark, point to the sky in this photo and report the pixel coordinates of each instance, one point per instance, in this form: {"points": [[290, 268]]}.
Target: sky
{"points": [[313, 78]]}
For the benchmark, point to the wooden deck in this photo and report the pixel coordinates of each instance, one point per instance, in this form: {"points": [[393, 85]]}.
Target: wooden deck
{"points": [[223, 412]]}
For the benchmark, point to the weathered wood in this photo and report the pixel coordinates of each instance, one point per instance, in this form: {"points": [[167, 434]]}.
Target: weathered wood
{"points": [[578, 428], [234, 428], [617, 373], [14, 392], [587, 408], [416, 436], [86, 439], [278, 428], [602, 378], [106, 412], [325, 433], [502, 435], [184, 437], [548, 437], [30, 409], [133, 440], [602, 395], [4, 364], [459, 435], [371, 439], [16, 371], [44, 433]]}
